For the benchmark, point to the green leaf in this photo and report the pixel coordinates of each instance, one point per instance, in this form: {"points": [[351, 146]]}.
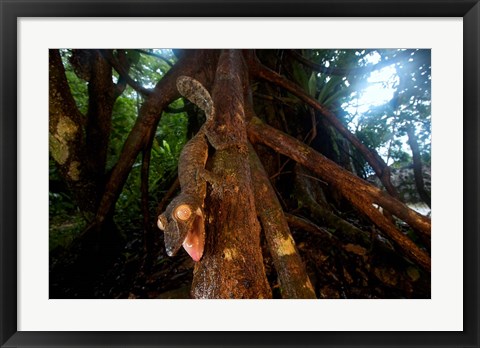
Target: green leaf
{"points": [[133, 56], [340, 94], [166, 146], [300, 76], [329, 88]]}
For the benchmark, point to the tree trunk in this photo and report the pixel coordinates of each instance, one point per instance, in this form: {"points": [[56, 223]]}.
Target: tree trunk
{"points": [[294, 281], [417, 166], [101, 98], [66, 138], [232, 264]]}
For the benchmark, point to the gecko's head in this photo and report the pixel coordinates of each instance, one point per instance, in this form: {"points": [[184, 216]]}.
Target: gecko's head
{"points": [[184, 225]]}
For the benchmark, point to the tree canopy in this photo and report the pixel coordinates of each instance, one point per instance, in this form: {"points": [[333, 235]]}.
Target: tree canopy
{"points": [[273, 173]]}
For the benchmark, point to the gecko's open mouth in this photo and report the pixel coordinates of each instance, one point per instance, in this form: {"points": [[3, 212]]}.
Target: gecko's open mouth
{"points": [[194, 242]]}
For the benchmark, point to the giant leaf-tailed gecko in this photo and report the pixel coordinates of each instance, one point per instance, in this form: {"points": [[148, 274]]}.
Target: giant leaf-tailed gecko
{"points": [[184, 220]]}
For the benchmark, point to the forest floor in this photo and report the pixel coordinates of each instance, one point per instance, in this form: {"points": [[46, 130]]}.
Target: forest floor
{"points": [[121, 269]]}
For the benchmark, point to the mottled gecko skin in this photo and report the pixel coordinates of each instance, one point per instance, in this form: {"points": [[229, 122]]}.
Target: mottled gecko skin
{"points": [[194, 91], [190, 165], [183, 221]]}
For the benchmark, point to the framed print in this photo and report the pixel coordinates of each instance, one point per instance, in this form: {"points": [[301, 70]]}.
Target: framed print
{"points": [[249, 174]]}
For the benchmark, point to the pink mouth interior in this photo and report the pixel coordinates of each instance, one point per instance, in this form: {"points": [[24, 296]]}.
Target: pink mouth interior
{"points": [[195, 240]]}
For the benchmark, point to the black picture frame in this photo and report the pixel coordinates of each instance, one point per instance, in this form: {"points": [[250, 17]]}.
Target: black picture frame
{"points": [[11, 10]]}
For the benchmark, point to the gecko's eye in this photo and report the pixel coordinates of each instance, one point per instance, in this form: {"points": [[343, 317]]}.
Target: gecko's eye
{"points": [[183, 212]]}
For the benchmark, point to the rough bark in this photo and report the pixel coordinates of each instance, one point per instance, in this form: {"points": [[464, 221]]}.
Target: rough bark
{"points": [[232, 264], [86, 173], [66, 139], [360, 193], [294, 281], [101, 98]]}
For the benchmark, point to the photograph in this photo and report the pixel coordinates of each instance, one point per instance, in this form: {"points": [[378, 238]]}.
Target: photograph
{"points": [[240, 173]]}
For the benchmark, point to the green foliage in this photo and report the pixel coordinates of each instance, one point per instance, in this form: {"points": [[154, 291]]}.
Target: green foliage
{"points": [[146, 69], [167, 144], [328, 89], [78, 87], [124, 115], [344, 78], [169, 141], [65, 220], [373, 127], [402, 158], [127, 208], [303, 79], [133, 56], [383, 127], [333, 90], [166, 148]]}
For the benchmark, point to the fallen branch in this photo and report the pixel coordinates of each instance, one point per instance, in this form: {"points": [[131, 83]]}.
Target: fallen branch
{"points": [[294, 281], [360, 193]]}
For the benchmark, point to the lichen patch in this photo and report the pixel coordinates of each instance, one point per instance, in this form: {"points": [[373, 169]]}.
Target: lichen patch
{"points": [[74, 171], [65, 132], [229, 254], [66, 128], [286, 247], [58, 149]]}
